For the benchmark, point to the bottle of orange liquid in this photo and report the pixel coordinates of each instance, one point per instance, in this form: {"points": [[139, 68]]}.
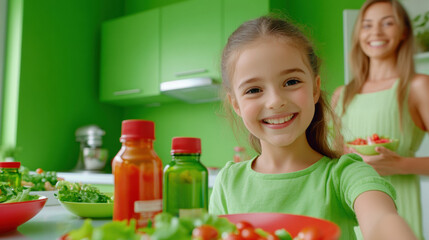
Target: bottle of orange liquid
{"points": [[137, 171]]}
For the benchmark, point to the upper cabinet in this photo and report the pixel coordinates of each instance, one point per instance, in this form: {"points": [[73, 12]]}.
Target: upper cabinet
{"points": [[178, 41], [129, 68], [191, 35]]}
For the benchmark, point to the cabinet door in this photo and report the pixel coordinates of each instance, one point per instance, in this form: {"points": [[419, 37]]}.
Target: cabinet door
{"points": [[191, 40], [130, 57]]}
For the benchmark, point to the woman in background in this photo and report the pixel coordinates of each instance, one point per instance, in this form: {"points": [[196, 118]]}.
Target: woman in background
{"points": [[387, 97]]}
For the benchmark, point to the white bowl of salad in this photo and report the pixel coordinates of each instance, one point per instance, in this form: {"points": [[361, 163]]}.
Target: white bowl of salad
{"points": [[41, 183]]}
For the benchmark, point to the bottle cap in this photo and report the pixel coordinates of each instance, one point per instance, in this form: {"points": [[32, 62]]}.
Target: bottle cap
{"points": [[185, 145], [137, 129], [10, 164]]}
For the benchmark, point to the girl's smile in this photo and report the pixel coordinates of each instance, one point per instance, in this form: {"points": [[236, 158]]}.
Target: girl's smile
{"points": [[277, 122]]}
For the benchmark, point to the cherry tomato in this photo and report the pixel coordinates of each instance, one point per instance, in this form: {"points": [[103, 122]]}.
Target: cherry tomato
{"points": [[249, 233], [205, 232], [39, 170], [242, 225], [232, 236], [308, 233], [375, 137]]}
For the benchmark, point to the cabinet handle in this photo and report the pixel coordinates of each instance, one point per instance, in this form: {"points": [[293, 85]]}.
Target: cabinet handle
{"points": [[125, 92], [179, 74]]}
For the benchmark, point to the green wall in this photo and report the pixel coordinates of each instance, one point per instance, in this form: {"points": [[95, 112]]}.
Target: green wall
{"points": [[58, 82]]}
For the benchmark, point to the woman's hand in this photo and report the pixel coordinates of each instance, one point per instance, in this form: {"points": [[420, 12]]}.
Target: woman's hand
{"points": [[386, 163]]}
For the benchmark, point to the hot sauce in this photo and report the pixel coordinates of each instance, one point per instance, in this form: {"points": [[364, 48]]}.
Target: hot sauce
{"points": [[137, 171]]}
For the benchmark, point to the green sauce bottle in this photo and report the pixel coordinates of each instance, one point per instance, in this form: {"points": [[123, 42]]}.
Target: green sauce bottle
{"points": [[9, 173], [185, 191]]}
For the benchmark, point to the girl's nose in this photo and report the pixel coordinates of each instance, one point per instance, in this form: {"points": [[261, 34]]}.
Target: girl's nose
{"points": [[275, 100]]}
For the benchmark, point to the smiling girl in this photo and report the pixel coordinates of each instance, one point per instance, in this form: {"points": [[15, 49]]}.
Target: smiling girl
{"points": [[270, 75]]}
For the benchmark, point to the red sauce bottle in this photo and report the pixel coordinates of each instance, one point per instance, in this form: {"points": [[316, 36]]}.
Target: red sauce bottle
{"points": [[137, 171]]}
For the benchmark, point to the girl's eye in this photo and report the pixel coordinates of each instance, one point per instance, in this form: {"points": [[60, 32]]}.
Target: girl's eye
{"points": [[253, 90], [291, 82]]}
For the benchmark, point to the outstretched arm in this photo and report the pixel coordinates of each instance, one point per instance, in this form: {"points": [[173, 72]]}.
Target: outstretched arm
{"points": [[378, 218]]}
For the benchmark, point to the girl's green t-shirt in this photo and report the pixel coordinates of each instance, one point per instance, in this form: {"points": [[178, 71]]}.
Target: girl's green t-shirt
{"points": [[326, 190]]}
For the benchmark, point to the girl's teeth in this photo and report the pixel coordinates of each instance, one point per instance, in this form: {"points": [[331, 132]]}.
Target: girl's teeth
{"points": [[279, 120]]}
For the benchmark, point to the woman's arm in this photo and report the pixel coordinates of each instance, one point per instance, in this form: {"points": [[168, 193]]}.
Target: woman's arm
{"points": [[378, 218], [390, 163]]}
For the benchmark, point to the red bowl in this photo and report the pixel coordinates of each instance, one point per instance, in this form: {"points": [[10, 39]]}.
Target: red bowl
{"points": [[271, 222], [14, 214]]}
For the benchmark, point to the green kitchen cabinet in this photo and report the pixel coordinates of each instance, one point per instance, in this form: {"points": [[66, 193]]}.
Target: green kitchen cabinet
{"points": [[129, 64], [191, 39], [236, 12]]}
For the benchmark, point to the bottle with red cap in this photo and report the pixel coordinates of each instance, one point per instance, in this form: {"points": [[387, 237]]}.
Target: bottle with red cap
{"points": [[185, 179], [137, 172], [9, 173]]}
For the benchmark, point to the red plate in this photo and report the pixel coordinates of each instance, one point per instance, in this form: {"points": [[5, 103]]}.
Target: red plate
{"points": [[292, 223], [14, 214]]}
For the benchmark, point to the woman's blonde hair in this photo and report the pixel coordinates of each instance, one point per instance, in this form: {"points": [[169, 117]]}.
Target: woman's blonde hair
{"points": [[268, 26], [359, 61]]}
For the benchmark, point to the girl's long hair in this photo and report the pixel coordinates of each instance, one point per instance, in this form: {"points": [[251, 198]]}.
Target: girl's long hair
{"points": [[359, 61], [318, 134]]}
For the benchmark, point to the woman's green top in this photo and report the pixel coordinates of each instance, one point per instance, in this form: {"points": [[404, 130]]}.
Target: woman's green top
{"points": [[378, 112]]}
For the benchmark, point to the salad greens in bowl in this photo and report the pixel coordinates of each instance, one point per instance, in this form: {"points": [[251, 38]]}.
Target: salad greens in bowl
{"points": [[17, 206], [261, 226], [85, 200]]}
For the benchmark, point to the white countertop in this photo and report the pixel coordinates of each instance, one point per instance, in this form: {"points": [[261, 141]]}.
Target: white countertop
{"points": [[87, 177]]}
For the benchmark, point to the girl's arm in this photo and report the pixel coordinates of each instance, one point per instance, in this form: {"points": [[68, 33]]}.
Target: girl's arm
{"points": [[378, 218]]}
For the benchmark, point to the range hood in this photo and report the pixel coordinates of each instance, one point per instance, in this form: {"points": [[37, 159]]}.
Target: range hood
{"points": [[192, 90]]}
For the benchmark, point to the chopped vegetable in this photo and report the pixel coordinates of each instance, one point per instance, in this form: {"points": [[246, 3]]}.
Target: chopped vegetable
{"points": [[75, 192], [10, 195], [168, 227], [41, 181]]}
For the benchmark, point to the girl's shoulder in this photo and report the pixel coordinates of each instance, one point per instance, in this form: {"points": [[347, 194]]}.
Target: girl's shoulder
{"points": [[235, 166], [349, 162]]}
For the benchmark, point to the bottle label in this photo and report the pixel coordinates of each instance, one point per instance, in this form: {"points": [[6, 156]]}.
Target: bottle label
{"points": [[147, 210], [191, 212], [148, 206]]}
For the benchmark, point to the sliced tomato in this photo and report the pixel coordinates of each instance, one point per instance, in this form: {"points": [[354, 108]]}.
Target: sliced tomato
{"points": [[242, 225], [205, 232], [232, 236], [308, 233], [382, 140], [375, 137], [249, 234]]}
